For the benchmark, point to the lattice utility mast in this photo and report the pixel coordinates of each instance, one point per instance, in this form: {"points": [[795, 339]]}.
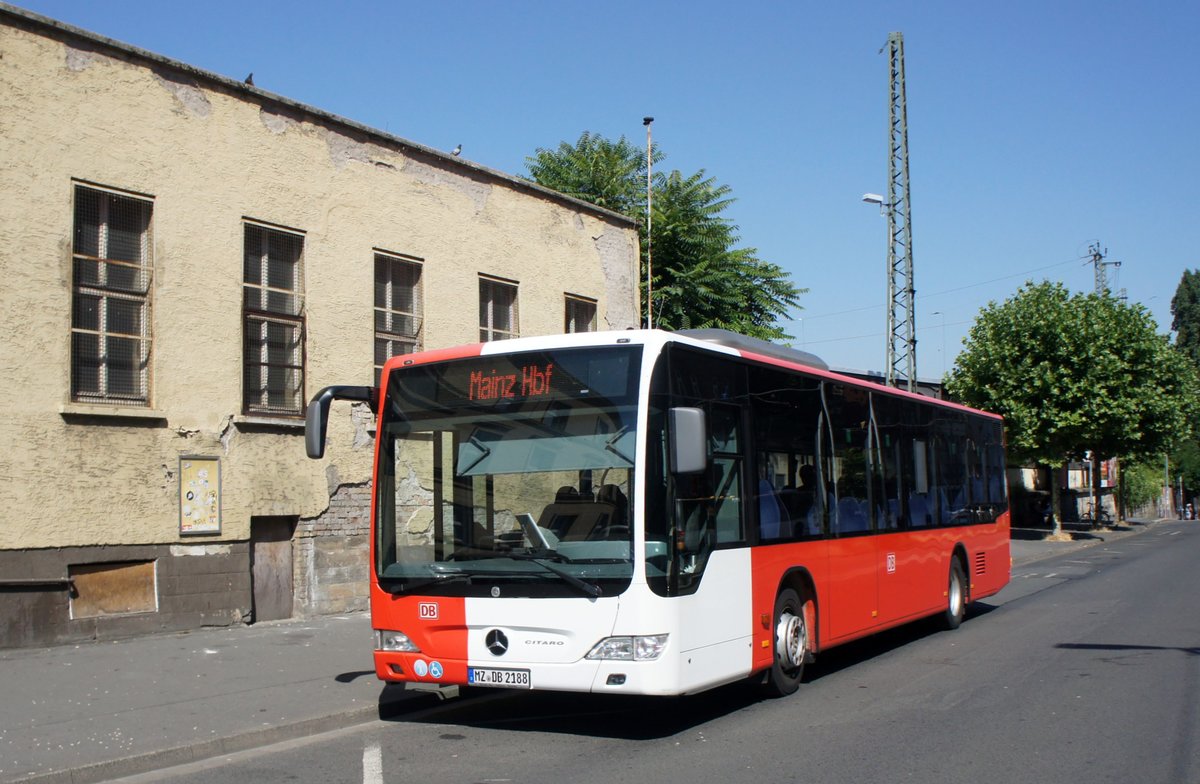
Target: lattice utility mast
{"points": [[902, 325], [1096, 258]]}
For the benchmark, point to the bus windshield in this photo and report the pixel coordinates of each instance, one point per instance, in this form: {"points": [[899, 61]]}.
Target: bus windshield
{"points": [[509, 474]]}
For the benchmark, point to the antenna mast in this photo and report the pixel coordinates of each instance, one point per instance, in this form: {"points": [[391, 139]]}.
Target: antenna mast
{"points": [[901, 326]]}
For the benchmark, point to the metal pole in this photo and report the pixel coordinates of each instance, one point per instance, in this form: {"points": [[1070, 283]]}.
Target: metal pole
{"points": [[1091, 464], [902, 325], [1166, 484], [648, 121]]}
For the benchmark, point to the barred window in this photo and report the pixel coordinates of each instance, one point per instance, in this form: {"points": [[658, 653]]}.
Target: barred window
{"points": [[580, 315], [273, 315], [110, 314], [497, 309], [398, 308]]}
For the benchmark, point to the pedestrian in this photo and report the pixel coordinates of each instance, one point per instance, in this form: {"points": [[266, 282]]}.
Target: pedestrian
{"points": [[1189, 513]]}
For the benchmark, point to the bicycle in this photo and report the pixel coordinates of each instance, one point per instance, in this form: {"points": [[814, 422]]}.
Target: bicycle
{"points": [[1096, 519]]}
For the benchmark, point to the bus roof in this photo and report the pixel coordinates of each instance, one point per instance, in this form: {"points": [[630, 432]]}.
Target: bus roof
{"points": [[723, 341]]}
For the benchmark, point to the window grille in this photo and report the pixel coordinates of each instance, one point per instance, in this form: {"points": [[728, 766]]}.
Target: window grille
{"points": [[110, 313], [398, 309], [273, 311], [580, 315], [497, 310]]}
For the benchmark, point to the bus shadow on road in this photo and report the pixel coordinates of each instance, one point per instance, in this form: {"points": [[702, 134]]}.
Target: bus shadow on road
{"points": [[859, 651], [594, 715], [623, 717]]}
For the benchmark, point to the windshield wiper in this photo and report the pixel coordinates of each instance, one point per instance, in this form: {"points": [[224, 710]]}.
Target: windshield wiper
{"points": [[473, 554], [542, 558], [591, 589], [390, 584]]}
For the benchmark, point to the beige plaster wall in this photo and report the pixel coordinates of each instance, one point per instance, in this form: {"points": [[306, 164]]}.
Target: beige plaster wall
{"points": [[211, 154]]}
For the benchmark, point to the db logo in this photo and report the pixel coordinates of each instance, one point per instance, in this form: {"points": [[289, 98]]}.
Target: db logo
{"points": [[891, 562], [427, 611]]}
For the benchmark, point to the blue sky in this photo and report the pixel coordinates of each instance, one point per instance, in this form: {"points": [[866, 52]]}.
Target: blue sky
{"points": [[1035, 128]]}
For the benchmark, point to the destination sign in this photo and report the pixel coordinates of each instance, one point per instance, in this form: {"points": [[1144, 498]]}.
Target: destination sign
{"points": [[535, 377], [528, 381]]}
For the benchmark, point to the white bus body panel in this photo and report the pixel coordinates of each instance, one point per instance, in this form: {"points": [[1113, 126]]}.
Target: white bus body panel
{"points": [[709, 642]]}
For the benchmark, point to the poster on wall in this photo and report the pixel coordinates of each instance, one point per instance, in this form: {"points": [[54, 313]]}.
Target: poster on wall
{"points": [[199, 495]]}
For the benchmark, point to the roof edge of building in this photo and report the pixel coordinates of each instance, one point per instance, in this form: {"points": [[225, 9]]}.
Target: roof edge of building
{"points": [[36, 21]]}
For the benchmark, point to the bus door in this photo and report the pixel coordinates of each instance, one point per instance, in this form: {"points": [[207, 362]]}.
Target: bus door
{"points": [[853, 601]]}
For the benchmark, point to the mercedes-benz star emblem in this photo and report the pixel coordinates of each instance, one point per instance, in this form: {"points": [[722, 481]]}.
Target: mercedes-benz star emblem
{"points": [[497, 643]]}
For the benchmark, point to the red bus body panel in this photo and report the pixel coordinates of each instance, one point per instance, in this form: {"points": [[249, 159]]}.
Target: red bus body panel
{"points": [[909, 572]]}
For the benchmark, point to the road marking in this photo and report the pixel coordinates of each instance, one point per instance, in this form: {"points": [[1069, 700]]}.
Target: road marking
{"points": [[372, 764]]}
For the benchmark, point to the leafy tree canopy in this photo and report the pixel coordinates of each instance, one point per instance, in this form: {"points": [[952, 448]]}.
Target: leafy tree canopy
{"points": [[606, 173], [701, 278], [1185, 464], [1185, 310], [1075, 372], [1141, 483]]}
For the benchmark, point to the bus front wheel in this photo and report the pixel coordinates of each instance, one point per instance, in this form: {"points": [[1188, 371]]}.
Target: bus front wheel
{"points": [[790, 644]]}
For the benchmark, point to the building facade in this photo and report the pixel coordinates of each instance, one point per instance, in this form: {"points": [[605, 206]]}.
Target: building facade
{"points": [[187, 259]]}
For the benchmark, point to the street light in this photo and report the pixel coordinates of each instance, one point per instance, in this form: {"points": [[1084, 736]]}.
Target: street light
{"points": [[875, 198], [648, 121]]}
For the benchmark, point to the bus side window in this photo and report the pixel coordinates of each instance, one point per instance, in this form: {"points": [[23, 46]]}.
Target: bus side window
{"points": [[949, 440], [786, 411], [707, 509], [920, 511], [850, 416], [725, 444]]}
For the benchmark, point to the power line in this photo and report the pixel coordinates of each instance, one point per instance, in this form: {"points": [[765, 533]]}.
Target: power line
{"points": [[946, 291], [873, 335]]}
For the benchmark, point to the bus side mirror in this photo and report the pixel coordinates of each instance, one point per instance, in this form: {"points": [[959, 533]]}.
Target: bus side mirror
{"points": [[689, 440], [316, 418]]}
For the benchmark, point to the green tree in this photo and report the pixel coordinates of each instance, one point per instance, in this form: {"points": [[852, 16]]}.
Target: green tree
{"points": [[701, 278], [1141, 483], [1073, 374], [608, 174], [1185, 467], [1185, 312], [1140, 392]]}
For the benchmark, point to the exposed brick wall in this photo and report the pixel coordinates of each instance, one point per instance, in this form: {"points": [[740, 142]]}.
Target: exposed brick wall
{"points": [[332, 552]]}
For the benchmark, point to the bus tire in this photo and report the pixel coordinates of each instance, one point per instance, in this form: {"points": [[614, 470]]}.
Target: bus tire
{"points": [[791, 644], [956, 596]]}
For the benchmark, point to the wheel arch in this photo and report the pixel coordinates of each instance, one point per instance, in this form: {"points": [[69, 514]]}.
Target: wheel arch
{"points": [[959, 553], [800, 580]]}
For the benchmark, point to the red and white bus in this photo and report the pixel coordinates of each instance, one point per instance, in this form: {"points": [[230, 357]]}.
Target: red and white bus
{"points": [[646, 512]]}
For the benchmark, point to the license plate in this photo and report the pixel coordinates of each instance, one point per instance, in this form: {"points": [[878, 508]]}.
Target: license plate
{"points": [[505, 679]]}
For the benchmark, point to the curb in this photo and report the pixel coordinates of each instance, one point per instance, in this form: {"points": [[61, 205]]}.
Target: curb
{"points": [[150, 761], [1086, 538]]}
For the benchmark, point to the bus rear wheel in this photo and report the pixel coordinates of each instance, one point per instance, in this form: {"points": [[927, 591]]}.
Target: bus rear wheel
{"points": [[790, 644], [956, 596]]}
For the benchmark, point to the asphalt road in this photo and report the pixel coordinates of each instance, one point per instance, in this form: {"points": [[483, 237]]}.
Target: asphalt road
{"points": [[1086, 668]]}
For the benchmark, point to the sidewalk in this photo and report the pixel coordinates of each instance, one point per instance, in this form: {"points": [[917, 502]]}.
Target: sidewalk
{"points": [[1030, 544], [97, 711]]}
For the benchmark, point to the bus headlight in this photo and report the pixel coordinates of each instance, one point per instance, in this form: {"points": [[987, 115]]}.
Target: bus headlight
{"points": [[644, 648], [396, 642]]}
